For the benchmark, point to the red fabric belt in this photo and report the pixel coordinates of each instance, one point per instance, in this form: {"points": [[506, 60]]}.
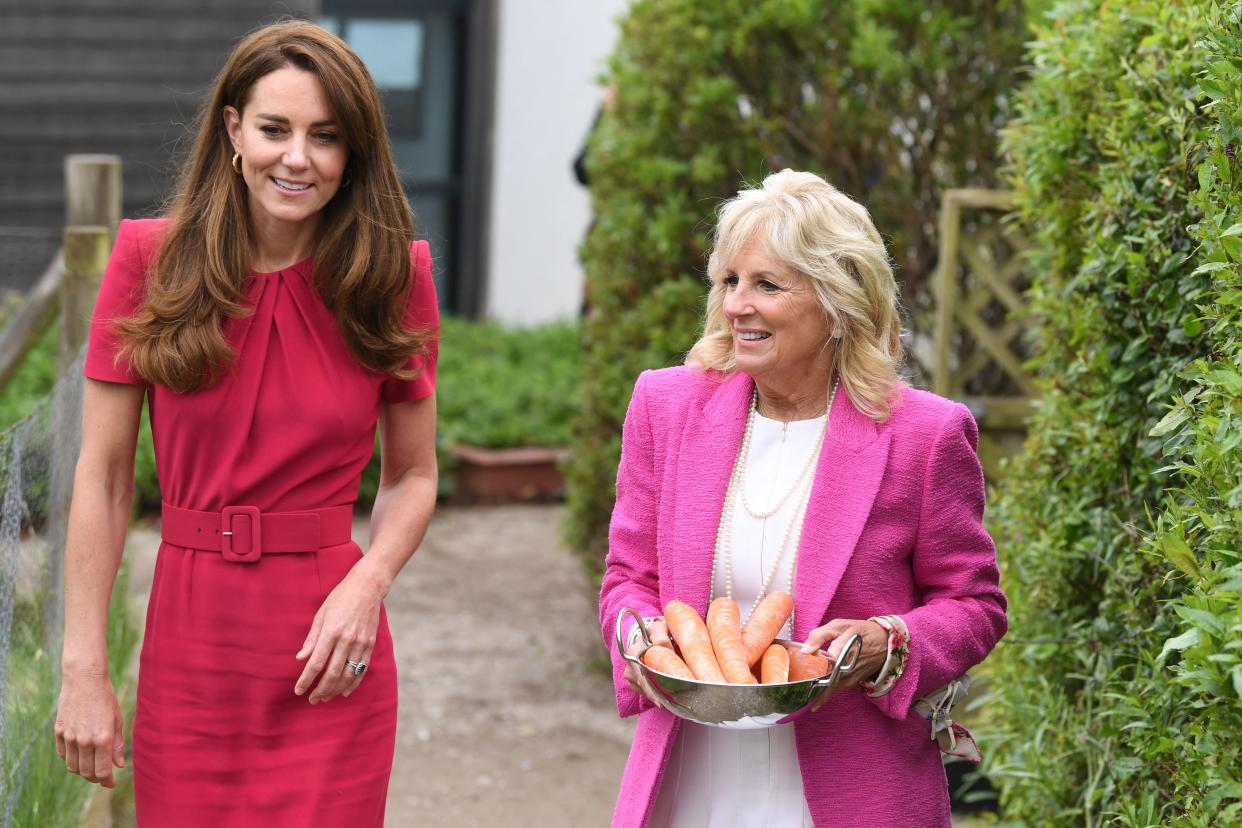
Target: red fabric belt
{"points": [[243, 533]]}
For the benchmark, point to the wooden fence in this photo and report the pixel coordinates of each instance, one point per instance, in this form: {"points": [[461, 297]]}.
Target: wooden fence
{"points": [[67, 288], [979, 349]]}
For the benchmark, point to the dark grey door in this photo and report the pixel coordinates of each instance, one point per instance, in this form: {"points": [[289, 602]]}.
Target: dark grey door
{"points": [[416, 53]]}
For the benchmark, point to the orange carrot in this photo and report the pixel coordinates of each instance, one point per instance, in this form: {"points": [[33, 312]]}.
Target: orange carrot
{"points": [[725, 629], [804, 666], [664, 660], [690, 633], [764, 624], [775, 665]]}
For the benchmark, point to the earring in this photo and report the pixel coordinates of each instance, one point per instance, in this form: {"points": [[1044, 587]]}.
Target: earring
{"points": [[237, 163]]}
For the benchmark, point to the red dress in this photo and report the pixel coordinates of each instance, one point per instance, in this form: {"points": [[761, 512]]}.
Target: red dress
{"points": [[220, 739]]}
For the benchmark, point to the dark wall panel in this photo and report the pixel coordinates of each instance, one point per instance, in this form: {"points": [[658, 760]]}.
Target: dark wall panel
{"points": [[104, 76]]}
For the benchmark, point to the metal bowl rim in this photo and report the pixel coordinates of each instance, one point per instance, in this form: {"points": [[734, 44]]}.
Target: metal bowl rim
{"points": [[700, 683]]}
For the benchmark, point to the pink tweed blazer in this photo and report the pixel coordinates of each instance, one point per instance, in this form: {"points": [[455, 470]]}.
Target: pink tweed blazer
{"points": [[894, 526]]}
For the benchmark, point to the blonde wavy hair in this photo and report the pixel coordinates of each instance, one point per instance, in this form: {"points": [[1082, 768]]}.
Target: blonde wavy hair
{"points": [[829, 239]]}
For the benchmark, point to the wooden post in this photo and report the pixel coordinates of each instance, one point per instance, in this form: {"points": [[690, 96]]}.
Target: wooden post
{"points": [[93, 191], [86, 256], [946, 292], [92, 213]]}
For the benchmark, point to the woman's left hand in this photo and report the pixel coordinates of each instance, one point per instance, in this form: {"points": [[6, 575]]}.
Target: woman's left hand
{"points": [[343, 630], [837, 632]]}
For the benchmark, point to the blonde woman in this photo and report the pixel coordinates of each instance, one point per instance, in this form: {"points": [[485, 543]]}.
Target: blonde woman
{"points": [[786, 455], [272, 319]]}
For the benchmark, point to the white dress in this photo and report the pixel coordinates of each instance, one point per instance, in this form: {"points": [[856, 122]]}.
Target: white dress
{"points": [[718, 778]]}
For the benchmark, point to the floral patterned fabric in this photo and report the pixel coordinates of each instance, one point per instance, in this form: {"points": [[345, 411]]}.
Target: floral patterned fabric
{"points": [[898, 655]]}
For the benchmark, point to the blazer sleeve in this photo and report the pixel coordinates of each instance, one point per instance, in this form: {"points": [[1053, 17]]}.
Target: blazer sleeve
{"points": [[962, 614], [631, 574], [120, 296], [421, 313]]}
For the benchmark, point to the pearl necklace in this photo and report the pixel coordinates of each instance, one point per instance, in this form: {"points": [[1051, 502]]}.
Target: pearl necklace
{"points": [[724, 533], [806, 467]]}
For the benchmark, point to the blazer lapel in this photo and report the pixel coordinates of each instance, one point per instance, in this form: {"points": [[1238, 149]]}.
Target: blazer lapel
{"points": [[847, 479], [705, 459]]}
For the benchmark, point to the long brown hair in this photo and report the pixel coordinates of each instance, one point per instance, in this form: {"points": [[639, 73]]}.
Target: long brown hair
{"points": [[362, 255]]}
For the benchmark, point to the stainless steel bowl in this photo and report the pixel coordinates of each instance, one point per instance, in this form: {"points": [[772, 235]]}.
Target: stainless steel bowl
{"points": [[738, 706]]}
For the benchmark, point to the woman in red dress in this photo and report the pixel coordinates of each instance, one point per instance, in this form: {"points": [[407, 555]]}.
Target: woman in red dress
{"points": [[277, 315]]}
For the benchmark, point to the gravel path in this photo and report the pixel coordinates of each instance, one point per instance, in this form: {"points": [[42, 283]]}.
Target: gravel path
{"points": [[533, 738]]}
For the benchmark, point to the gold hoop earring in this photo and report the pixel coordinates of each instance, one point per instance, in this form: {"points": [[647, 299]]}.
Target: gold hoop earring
{"points": [[237, 163]]}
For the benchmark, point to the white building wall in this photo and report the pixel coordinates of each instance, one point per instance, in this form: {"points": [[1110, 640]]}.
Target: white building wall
{"points": [[550, 53]]}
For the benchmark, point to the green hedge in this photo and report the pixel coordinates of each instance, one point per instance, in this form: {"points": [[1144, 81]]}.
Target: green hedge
{"points": [[889, 100], [1115, 154], [498, 386], [1200, 530]]}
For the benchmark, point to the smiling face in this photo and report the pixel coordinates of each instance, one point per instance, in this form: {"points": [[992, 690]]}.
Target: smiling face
{"points": [[292, 152], [779, 328]]}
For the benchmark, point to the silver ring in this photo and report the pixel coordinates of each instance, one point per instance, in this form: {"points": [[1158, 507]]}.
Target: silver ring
{"points": [[357, 666]]}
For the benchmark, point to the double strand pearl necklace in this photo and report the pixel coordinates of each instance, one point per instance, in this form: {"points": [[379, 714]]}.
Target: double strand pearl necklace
{"points": [[724, 534], [758, 514]]}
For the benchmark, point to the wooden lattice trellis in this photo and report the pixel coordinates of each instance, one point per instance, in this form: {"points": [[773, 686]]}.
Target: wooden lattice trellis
{"points": [[979, 349]]}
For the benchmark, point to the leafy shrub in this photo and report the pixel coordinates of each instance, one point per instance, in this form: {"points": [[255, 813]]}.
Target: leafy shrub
{"points": [[1108, 157], [35, 375], [889, 100], [499, 387], [1200, 530]]}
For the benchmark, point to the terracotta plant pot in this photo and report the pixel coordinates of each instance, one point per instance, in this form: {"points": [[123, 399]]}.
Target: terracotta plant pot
{"points": [[508, 475]]}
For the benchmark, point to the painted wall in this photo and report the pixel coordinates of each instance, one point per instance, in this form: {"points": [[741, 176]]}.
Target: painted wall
{"points": [[550, 53]]}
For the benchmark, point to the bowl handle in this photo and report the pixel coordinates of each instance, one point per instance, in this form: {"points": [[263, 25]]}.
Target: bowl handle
{"points": [[845, 664], [621, 638]]}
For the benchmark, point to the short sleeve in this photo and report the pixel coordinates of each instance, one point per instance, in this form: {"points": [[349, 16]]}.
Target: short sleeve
{"points": [[120, 296], [421, 313]]}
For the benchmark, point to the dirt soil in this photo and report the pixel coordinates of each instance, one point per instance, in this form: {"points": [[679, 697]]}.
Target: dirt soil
{"points": [[531, 740]]}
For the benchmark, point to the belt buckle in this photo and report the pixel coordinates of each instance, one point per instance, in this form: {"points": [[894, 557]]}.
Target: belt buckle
{"points": [[252, 548]]}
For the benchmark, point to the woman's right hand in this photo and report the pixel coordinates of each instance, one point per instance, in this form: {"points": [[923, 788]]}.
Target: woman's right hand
{"points": [[659, 637], [89, 734]]}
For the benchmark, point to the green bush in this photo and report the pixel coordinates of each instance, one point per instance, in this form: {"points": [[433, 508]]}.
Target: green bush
{"points": [[34, 377], [1200, 530], [889, 100], [499, 387], [1110, 160]]}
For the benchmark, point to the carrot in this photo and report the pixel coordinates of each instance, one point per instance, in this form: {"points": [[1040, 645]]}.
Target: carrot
{"points": [[804, 666], [725, 629], [764, 624], [664, 660], [775, 665], [690, 633]]}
